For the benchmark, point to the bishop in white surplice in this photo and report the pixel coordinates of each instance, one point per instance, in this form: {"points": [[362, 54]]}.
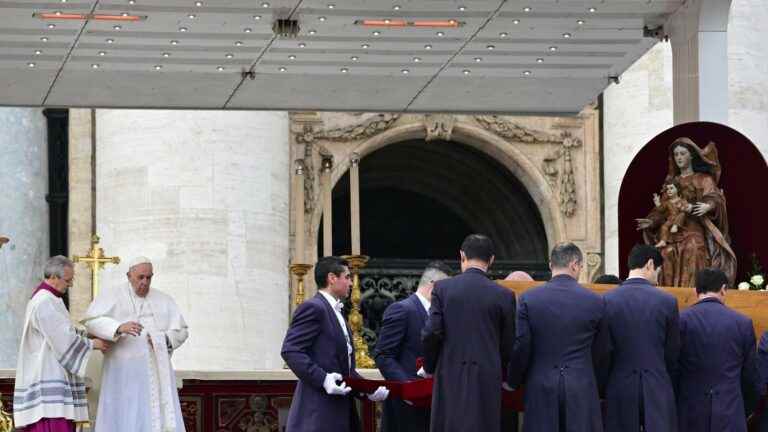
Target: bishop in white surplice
{"points": [[138, 385]]}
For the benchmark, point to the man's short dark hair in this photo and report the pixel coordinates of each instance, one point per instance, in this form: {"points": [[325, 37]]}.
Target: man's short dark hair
{"points": [[608, 279], [565, 253], [710, 280], [479, 247], [329, 264], [641, 253], [439, 265]]}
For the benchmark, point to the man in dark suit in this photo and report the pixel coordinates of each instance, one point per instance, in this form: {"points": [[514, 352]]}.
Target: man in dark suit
{"points": [[399, 345], [762, 367], [560, 334], [468, 336], [717, 355], [318, 349], [645, 342]]}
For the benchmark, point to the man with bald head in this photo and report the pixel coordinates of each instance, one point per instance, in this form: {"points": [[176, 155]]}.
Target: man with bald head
{"points": [[138, 385]]}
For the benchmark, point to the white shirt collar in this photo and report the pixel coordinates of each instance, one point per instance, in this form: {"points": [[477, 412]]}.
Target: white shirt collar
{"points": [[335, 304], [424, 302]]}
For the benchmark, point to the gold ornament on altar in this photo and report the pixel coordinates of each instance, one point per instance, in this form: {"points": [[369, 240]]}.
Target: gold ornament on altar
{"points": [[362, 359], [95, 260], [6, 420]]}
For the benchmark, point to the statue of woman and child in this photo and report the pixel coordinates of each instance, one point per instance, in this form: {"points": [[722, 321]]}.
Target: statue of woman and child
{"points": [[689, 221]]}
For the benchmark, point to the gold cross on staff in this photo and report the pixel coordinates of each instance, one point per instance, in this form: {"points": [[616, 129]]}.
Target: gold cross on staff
{"points": [[96, 260]]}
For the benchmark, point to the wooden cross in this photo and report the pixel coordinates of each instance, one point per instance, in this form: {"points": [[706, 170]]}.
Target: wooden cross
{"points": [[96, 260]]}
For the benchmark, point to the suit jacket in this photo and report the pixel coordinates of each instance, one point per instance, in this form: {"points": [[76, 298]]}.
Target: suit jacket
{"points": [[313, 347], [762, 367], [645, 341], [560, 335], [469, 333], [398, 346], [717, 354]]}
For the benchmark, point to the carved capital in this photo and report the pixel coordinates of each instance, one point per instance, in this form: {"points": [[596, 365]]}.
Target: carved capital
{"points": [[439, 126], [594, 263]]}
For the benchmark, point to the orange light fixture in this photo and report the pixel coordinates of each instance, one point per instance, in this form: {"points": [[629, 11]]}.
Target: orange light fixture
{"points": [[403, 23], [84, 17]]}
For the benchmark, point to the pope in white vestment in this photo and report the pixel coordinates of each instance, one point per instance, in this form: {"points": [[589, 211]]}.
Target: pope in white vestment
{"points": [[138, 385]]}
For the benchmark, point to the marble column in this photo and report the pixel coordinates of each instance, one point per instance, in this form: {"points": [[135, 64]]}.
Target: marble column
{"points": [[205, 195], [327, 194], [23, 218]]}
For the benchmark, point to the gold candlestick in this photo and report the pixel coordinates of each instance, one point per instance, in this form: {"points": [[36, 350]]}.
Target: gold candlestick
{"points": [[362, 359], [299, 270]]}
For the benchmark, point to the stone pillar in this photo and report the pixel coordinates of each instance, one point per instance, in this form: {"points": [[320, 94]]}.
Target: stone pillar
{"points": [[698, 32], [748, 71], [205, 195], [23, 186], [327, 194]]}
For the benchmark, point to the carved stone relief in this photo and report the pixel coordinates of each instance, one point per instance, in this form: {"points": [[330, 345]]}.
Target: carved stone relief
{"points": [[439, 126]]}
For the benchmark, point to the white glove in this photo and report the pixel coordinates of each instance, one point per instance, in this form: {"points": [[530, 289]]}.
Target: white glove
{"points": [[506, 387], [330, 386], [379, 395], [422, 373]]}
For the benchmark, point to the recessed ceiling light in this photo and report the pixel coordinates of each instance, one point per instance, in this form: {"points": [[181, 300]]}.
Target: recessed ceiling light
{"points": [[291, 57], [527, 73], [466, 71], [51, 26], [592, 9], [174, 42], [257, 17], [321, 19], [387, 21], [63, 1], [365, 46], [57, 13], [265, 5], [247, 30], [44, 39], [312, 32], [283, 69], [396, 7], [527, 9], [553, 48], [405, 71], [183, 29], [166, 54], [38, 52], [102, 53], [30, 64], [416, 59], [117, 27], [124, 14], [354, 58], [478, 59], [191, 16], [580, 22], [331, 6], [95, 66], [503, 35], [462, 8], [229, 55], [220, 68], [515, 21], [158, 67], [344, 70], [302, 45], [238, 43], [440, 34], [539, 60], [427, 47], [131, 2], [567, 35], [198, 3], [376, 33], [110, 41], [490, 47]]}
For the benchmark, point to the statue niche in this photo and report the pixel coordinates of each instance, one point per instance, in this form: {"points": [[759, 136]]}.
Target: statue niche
{"points": [[689, 221]]}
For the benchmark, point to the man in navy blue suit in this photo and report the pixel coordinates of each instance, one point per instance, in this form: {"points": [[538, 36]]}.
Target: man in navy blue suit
{"points": [[645, 342], [399, 345], [318, 349], [560, 336], [468, 337], [717, 357]]}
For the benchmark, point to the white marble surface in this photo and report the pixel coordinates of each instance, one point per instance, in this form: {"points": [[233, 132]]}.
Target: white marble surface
{"points": [[23, 218], [204, 194]]}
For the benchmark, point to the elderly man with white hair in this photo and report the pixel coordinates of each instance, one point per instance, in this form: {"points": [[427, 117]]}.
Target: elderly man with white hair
{"points": [[138, 386]]}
